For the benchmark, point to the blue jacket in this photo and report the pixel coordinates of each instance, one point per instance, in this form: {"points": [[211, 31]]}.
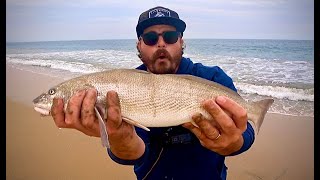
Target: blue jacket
{"points": [[181, 154]]}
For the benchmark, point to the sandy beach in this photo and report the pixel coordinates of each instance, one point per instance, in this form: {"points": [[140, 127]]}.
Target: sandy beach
{"points": [[37, 149]]}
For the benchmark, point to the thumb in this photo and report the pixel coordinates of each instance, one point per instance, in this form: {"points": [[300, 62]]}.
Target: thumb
{"points": [[113, 111]]}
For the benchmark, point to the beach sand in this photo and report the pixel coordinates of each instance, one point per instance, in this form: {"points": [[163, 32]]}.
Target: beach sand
{"points": [[37, 149]]}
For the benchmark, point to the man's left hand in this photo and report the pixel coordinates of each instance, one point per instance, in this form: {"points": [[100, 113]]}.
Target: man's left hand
{"points": [[223, 134]]}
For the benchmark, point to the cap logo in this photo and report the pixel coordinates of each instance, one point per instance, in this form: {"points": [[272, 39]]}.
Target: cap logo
{"points": [[159, 12]]}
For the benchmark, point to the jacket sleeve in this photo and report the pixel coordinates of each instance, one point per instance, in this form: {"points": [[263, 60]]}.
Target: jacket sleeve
{"points": [[138, 161]]}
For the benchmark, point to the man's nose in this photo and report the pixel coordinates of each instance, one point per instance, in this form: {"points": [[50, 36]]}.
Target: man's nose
{"points": [[161, 43]]}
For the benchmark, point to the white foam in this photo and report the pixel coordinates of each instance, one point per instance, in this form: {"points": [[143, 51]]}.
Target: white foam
{"points": [[78, 61], [277, 91], [261, 70]]}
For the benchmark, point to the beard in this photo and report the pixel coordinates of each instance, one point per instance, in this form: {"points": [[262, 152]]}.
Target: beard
{"points": [[162, 62]]}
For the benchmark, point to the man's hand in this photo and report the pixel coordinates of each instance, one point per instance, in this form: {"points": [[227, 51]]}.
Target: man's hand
{"points": [[80, 115], [124, 141], [224, 133]]}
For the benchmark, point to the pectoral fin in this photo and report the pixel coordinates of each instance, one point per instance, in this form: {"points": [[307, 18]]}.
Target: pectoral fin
{"points": [[103, 130], [135, 123]]}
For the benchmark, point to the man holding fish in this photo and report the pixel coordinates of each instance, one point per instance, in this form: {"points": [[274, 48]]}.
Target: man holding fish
{"points": [[193, 150]]}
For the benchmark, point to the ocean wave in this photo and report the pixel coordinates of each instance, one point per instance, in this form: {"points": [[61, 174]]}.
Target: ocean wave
{"points": [[78, 61], [77, 67], [260, 70], [291, 80], [279, 92]]}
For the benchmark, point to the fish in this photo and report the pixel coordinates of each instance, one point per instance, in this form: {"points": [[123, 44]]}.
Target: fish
{"points": [[150, 100]]}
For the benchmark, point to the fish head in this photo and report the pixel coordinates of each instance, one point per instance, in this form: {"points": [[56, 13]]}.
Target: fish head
{"points": [[44, 102]]}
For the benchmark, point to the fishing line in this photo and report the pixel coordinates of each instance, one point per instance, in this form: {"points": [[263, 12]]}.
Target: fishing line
{"points": [[153, 165]]}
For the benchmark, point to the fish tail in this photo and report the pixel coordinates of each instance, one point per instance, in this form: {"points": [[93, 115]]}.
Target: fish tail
{"points": [[257, 115]]}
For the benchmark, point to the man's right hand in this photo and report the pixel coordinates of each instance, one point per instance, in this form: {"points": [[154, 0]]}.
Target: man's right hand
{"points": [[80, 115], [123, 139]]}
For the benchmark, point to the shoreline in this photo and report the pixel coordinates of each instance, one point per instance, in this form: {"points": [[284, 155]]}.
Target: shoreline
{"points": [[37, 149]]}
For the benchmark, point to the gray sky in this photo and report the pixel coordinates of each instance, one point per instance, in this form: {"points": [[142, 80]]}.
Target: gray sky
{"points": [[53, 20]]}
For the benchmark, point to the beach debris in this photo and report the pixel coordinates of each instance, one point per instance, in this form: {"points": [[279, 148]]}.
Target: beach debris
{"points": [[150, 100]]}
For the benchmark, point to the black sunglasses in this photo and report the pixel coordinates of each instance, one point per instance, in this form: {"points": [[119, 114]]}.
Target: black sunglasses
{"points": [[169, 37]]}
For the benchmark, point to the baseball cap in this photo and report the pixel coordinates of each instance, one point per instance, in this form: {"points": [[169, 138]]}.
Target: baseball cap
{"points": [[159, 15]]}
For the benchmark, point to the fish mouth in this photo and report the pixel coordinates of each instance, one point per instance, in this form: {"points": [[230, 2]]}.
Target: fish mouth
{"points": [[42, 111]]}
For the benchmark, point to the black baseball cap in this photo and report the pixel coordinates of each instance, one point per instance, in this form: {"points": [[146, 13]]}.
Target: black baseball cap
{"points": [[159, 15]]}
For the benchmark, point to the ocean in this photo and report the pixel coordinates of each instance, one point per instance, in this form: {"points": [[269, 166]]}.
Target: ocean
{"points": [[278, 69]]}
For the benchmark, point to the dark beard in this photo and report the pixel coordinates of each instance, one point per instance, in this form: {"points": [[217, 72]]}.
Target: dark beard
{"points": [[159, 54]]}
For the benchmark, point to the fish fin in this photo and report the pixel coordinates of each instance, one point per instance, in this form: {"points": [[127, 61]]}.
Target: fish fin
{"points": [[193, 123], [103, 130], [135, 123], [257, 116]]}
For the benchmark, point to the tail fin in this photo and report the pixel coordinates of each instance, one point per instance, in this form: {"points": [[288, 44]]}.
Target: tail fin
{"points": [[258, 111]]}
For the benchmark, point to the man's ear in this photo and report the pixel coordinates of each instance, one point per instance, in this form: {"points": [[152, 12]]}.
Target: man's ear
{"points": [[183, 45], [138, 46], [181, 40]]}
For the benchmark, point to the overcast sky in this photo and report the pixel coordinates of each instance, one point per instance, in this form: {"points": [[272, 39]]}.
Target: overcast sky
{"points": [[53, 20]]}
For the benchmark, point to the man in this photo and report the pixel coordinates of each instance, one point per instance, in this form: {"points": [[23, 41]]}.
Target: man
{"points": [[180, 152]]}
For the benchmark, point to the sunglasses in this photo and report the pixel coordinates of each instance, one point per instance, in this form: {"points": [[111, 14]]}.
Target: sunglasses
{"points": [[169, 37]]}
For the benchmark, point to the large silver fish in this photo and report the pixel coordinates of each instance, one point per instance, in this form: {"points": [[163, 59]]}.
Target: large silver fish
{"points": [[150, 100]]}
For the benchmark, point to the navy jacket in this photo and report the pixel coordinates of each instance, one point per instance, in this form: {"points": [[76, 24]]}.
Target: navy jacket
{"points": [[181, 154]]}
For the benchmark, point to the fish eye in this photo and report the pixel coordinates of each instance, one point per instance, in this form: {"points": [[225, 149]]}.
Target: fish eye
{"points": [[52, 91]]}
